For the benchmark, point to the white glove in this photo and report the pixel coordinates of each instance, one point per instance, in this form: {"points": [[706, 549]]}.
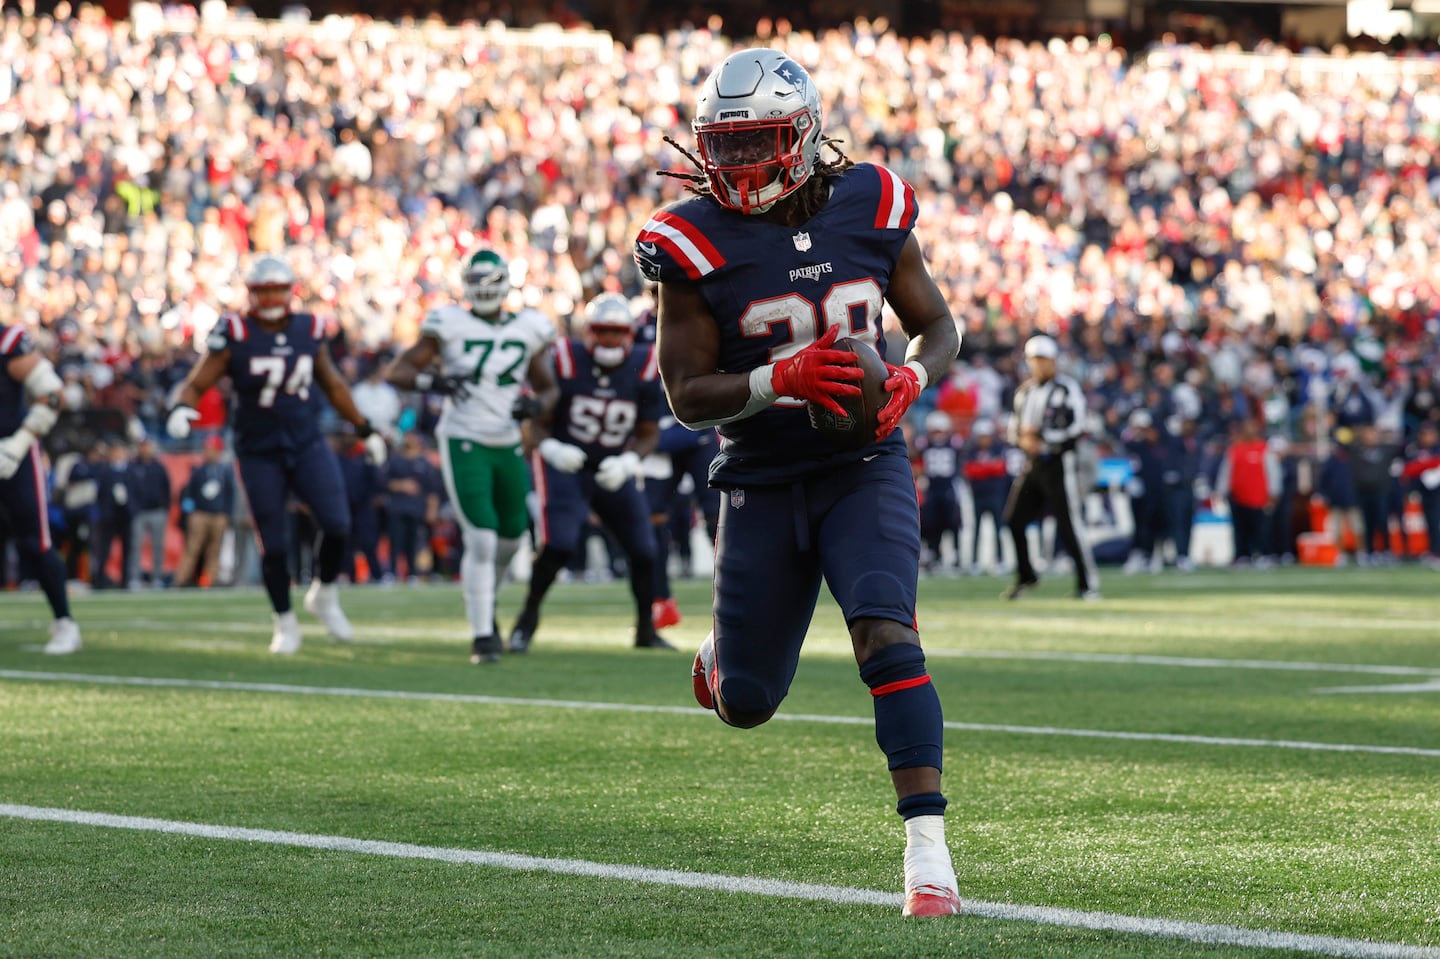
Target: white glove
{"points": [[178, 423], [13, 450], [615, 470], [1430, 478], [562, 456], [375, 449]]}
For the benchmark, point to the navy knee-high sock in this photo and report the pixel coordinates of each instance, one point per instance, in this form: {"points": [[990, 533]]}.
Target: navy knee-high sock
{"points": [[330, 556], [662, 560], [275, 571], [909, 725], [51, 573], [547, 566]]}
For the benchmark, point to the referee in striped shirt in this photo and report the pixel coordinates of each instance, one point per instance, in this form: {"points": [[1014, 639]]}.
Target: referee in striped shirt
{"points": [[1048, 422]]}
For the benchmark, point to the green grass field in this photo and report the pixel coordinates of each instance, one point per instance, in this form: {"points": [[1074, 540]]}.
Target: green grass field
{"points": [[1171, 772]]}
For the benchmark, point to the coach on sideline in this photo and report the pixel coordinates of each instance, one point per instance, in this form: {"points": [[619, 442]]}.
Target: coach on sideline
{"points": [[1048, 421]]}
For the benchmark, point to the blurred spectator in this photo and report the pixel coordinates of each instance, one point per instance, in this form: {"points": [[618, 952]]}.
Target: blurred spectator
{"points": [[1182, 458], [363, 488], [1147, 493], [79, 500], [988, 471], [1376, 466], [938, 455], [115, 499], [411, 487], [1422, 474], [1335, 489], [150, 516], [1249, 481], [206, 503]]}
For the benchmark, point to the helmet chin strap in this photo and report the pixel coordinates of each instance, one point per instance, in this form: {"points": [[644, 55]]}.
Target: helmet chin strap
{"points": [[272, 313]]}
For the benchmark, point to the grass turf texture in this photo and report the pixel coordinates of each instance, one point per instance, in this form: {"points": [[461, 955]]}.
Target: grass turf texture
{"points": [[1257, 836]]}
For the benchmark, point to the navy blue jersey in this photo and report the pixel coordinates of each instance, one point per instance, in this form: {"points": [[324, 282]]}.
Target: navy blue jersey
{"points": [[14, 343], [940, 461], [277, 406], [773, 291], [599, 408]]}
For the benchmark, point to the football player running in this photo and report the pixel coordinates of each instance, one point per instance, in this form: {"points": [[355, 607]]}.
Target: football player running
{"points": [[779, 255], [479, 357], [273, 357], [29, 404], [605, 421]]}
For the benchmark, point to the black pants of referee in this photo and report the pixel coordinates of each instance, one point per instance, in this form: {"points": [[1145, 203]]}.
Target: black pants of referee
{"points": [[1049, 484]]}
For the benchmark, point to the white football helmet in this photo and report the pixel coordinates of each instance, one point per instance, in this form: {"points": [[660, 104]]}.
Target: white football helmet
{"points": [[486, 280], [757, 124], [608, 315], [270, 282]]}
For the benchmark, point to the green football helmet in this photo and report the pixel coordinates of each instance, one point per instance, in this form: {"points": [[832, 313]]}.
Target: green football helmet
{"points": [[486, 281]]}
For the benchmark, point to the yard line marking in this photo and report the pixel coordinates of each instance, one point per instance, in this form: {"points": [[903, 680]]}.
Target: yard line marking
{"points": [[481, 699], [1187, 662], [1431, 687], [1209, 933]]}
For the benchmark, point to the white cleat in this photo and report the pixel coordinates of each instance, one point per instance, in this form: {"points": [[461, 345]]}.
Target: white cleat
{"points": [[64, 638], [323, 602], [286, 639]]}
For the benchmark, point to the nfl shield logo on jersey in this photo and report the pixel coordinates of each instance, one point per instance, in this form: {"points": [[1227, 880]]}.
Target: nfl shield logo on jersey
{"points": [[802, 241], [737, 498]]}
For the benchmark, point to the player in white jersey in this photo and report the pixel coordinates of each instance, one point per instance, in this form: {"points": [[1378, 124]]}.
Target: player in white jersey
{"points": [[485, 355]]}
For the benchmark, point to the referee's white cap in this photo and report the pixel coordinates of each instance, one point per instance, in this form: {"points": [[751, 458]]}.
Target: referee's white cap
{"points": [[1042, 346]]}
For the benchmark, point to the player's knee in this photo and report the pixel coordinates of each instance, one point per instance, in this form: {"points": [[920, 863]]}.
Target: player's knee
{"points": [[870, 635], [481, 544], [745, 703], [29, 547]]}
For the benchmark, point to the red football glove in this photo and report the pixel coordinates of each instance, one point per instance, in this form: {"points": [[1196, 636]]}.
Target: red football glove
{"points": [[904, 387], [819, 374]]}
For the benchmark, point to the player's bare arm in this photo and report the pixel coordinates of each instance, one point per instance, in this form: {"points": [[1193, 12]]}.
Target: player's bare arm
{"points": [[923, 313], [540, 374], [405, 368], [688, 345], [202, 377], [647, 437], [337, 391], [22, 366]]}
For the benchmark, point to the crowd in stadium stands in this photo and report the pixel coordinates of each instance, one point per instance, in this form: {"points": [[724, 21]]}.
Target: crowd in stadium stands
{"points": [[1214, 237]]}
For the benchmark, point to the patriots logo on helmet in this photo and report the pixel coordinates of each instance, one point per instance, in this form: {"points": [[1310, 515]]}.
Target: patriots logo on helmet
{"points": [[792, 74]]}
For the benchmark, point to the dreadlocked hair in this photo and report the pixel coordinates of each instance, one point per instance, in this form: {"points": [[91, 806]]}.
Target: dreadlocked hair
{"points": [[809, 198]]}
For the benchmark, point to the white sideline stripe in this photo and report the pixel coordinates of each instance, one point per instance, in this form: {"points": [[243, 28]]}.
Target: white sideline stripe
{"points": [[381, 630], [1187, 662], [480, 699], [775, 888]]}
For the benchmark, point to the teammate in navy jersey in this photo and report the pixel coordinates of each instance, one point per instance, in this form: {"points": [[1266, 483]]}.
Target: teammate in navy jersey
{"points": [[938, 452], [273, 357], [989, 465], [604, 422], [779, 255], [29, 401]]}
